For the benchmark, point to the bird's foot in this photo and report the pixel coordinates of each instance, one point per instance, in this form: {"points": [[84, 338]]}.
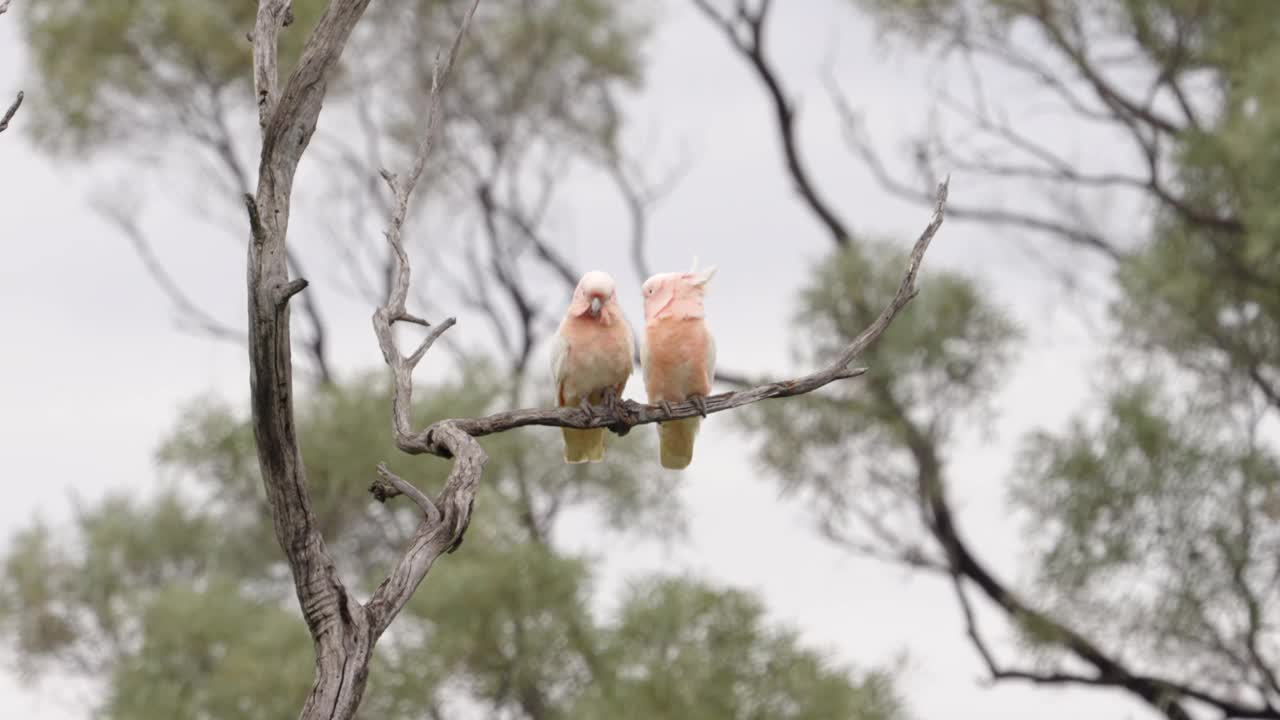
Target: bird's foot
{"points": [[618, 408], [609, 398], [666, 406], [699, 402], [585, 405]]}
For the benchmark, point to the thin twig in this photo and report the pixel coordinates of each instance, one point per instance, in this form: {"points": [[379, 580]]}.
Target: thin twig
{"points": [[390, 485], [745, 30], [8, 114], [443, 528], [202, 320]]}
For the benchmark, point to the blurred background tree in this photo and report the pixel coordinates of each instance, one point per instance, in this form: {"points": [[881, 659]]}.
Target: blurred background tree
{"points": [[1150, 521], [178, 604], [167, 87]]}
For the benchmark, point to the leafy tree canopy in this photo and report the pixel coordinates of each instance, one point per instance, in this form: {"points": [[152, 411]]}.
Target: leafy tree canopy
{"points": [[134, 70], [182, 605]]}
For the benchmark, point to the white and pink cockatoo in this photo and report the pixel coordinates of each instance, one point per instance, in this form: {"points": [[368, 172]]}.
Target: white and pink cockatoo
{"points": [[679, 355], [591, 360]]}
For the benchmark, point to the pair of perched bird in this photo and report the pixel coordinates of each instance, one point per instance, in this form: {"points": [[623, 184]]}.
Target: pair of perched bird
{"points": [[591, 357]]}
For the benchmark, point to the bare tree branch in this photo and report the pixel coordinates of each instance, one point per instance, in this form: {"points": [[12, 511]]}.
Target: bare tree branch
{"points": [[390, 485], [1061, 171], [507, 276], [1087, 78], [864, 149], [266, 71], [543, 249], [1168, 698], [745, 30], [1107, 92], [639, 194], [1239, 555], [1164, 696], [1173, 710], [222, 142], [441, 438], [8, 114], [194, 314], [441, 531], [340, 627]]}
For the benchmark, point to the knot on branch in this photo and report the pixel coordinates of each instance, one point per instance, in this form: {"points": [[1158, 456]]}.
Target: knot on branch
{"points": [[251, 204], [625, 415], [461, 520], [382, 490]]}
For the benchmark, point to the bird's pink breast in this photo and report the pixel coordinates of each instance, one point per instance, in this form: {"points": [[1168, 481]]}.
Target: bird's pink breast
{"points": [[677, 359], [599, 355]]}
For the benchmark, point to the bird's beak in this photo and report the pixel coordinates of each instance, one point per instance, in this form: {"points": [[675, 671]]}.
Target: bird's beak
{"points": [[596, 303]]}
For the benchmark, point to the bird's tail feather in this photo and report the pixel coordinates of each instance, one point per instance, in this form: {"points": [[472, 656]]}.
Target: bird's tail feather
{"points": [[675, 442], [584, 445]]}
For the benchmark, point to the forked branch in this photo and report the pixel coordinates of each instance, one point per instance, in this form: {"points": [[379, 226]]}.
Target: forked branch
{"points": [[445, 520], [344, 631]]}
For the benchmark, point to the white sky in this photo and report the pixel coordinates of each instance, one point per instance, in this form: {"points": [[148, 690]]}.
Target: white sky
{"points": [[94, 372]]}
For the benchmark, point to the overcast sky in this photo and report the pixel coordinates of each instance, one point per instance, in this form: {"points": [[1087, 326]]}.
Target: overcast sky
{"points": [[95, 373]]}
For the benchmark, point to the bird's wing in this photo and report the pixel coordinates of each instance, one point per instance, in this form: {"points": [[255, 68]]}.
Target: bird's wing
{"points": [[644, 358], [631, 350], [559, 358], [711, 358]]}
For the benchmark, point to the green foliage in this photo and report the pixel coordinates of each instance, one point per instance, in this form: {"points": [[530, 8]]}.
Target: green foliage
{"points": [[1150, 519], [30, 595], [1201, 294], [939, 19], [75, 601], [181, 605], [938, 363], [133, 70], [536, 63], [111, 70], [213, 652], [344, 432], [512, 624], [683, 649], [1154, 523]]}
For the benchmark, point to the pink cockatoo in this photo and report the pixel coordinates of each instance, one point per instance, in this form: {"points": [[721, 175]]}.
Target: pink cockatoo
{"points": [[591, 360], [679, 355]]}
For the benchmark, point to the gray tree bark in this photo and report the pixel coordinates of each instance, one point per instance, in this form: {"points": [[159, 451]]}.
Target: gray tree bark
{"points": [[344, 631]]}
